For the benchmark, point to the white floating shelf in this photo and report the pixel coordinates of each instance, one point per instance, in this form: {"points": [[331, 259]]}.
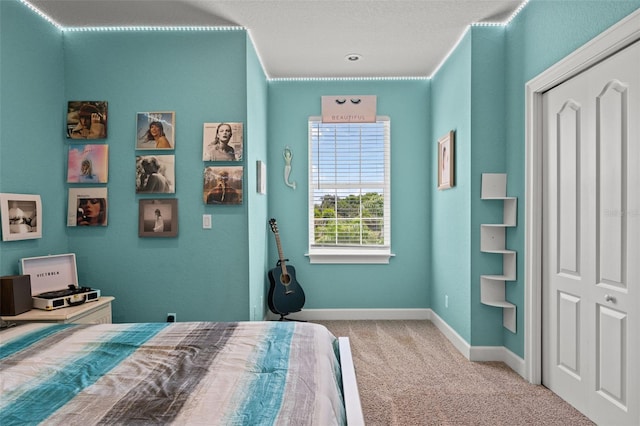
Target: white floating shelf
{"points": [[493, 240]]}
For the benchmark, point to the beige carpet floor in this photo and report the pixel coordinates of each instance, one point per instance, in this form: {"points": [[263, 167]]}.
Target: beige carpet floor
{"points": [[410, 374]]}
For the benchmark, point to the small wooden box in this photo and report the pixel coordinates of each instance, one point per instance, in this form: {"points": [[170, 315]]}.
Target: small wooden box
{"points": [[15, 295]]}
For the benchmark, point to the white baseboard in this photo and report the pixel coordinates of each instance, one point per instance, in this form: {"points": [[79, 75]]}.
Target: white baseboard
{"points": [[357, 314], [456, 340], [472, 353], [479, 353], [499, 353]]}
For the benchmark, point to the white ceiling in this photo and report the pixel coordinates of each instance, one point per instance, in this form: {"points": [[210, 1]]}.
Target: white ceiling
{"points": [[310, 38]]}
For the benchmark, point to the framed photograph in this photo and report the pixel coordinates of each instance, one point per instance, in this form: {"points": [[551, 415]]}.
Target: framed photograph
{"points": [[21, 216], [223, 185], [222, 142], [158, 218], [261, 177], [446, 164], [88, 164], [87, 119], [155, 174], [87, 207], [156, 130]]}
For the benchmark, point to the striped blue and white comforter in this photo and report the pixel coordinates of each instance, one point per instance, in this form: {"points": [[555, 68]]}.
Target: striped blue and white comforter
{"points": [[199, 373]]}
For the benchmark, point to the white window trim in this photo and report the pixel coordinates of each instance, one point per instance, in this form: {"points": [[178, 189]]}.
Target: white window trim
{"points": [[351, 254]]}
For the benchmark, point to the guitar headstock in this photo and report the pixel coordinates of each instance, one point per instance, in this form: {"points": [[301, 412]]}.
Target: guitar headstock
{"points": [[274, 225]]}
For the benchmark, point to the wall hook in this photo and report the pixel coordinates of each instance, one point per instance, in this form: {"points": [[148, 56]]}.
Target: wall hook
{"points": [[288, 155]]}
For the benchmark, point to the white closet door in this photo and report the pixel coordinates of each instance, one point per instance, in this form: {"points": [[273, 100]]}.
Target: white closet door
{"points": [[591, 240]]}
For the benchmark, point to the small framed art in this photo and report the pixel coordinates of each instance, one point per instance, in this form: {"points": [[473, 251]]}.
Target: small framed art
{"points": [[155, 174], [156, 130], [87, 207], [158, 218], [21, 216], [223, 185], [222, 142], [88, 164], [446, 163], [261, 177], [87, 119]]}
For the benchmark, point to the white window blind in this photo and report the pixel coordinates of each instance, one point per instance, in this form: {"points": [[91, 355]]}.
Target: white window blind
{"points": [[349, 192]]}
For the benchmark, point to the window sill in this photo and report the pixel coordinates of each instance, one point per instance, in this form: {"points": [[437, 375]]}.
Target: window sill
{"points": [[349, 255]]}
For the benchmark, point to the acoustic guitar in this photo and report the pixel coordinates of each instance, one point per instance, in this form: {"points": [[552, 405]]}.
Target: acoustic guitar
{"points": [[285, 294]]}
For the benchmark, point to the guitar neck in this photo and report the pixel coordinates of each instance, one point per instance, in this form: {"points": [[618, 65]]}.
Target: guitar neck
{"points": [[283, 264]]}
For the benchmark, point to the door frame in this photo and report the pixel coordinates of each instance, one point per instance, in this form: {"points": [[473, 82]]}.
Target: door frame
{"points": [[612, 40]]}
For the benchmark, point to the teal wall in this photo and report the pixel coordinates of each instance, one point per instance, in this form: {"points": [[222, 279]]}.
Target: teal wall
{"points": [[479, 93], [202, 76], [219, 274], [31, 76], [451, 208], [488, 153], [468, 98], [404, 282], [257, 203], [541, 35]]}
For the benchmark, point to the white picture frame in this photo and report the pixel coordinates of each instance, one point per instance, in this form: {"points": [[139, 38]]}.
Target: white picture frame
{"points": [[446, 161], [164, 123], [218, 147], [156, 174], [261, 177], [21, 216]]}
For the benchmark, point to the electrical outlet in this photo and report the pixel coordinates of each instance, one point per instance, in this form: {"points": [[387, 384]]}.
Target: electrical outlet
{"points": [[171, 317], [446, 300]]}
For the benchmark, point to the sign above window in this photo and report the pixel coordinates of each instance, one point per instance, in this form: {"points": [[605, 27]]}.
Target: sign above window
{"points": [[349, 109]]}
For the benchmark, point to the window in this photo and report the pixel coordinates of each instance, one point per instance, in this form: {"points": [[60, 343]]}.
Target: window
{"points": [[349, 192]]}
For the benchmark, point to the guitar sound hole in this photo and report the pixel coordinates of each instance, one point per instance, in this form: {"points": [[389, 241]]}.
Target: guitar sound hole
{"points": [[285, 279]]}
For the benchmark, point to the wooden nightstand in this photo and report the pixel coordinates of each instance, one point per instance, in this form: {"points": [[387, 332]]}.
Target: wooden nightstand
{"points": [[98, 312]]}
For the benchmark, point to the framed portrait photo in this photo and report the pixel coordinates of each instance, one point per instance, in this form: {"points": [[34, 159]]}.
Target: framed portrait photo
{"points": [[87, 119], [21, 216], [446, 163], [223, 185], [155, 174], [222, 142], [87, 207], [156, 130], [88, 163], [158, 218]]}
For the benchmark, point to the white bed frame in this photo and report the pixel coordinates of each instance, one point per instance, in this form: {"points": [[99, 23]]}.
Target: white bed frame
{"points": [[352, 404]]}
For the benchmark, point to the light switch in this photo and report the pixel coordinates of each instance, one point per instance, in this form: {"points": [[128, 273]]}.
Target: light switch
{"points": [[206, 221]]}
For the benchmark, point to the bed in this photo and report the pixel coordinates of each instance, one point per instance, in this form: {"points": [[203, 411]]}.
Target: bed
{"points": [[187, 373]]}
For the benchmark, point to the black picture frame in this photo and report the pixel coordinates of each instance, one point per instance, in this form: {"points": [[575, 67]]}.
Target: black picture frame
{"points": [[158, 217]]}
